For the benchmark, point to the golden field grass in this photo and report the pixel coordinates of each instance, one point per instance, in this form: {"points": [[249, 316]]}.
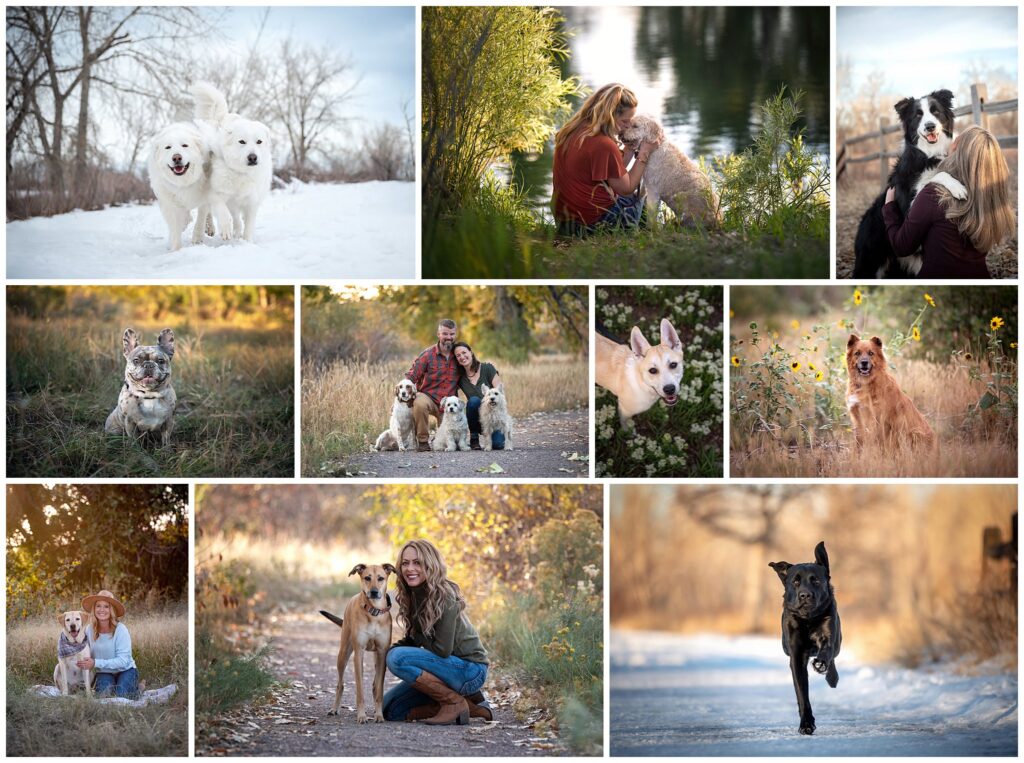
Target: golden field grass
{"points": [[981, 444], [76, 726], [346, 405]]}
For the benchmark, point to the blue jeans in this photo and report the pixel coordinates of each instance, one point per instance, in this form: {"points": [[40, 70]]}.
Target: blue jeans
{"points": [[626, 212], [407, 662], [473, 414], [123, 684]]}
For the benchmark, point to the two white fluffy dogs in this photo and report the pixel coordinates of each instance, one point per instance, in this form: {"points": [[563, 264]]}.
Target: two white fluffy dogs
{"points": [[220, 165]]}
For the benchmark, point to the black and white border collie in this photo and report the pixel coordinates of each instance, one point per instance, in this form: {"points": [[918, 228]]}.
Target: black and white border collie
{"points": [[927, 136]]}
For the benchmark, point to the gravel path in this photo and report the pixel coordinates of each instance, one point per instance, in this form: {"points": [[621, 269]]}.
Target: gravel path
{"points": [[552, 444], [295, 722]]}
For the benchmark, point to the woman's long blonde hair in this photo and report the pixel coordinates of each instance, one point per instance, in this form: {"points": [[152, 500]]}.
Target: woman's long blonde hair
{"points": [[598, 112], [439, 589], [986, 216]]}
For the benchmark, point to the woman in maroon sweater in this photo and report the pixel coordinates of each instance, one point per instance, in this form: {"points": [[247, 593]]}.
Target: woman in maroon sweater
{"points": [[955, 235]]}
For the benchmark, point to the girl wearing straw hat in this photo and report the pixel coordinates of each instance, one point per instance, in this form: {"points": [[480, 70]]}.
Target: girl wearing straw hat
{"points": [[111, 644]]}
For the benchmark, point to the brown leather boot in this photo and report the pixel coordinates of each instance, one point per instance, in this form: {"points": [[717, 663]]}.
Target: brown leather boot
{"points": [[452, 707], [479, 707]]}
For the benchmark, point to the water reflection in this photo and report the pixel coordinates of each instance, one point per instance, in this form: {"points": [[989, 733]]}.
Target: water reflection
{"points": [[703, 72]]}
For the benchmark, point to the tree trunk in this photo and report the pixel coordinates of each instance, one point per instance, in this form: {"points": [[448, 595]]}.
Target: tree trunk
{"points": [[81, 166]]}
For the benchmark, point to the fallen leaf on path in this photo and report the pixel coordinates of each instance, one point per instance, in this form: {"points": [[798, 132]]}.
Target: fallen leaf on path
{"points": [[405, 465], [492, 469]]}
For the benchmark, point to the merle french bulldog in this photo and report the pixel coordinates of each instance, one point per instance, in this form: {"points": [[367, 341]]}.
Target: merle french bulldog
{"points": [[147, 399], [810, 626]]}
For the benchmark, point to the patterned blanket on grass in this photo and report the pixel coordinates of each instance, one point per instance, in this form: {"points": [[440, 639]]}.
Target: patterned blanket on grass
{"points": [[151, 697]]}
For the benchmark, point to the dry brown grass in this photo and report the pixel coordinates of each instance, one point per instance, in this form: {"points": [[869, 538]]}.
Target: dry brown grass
{"points": [[982, 447], [346, 405]]}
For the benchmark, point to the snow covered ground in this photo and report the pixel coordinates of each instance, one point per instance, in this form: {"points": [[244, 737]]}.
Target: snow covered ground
{"points": [[717, 695], [303, 232]]}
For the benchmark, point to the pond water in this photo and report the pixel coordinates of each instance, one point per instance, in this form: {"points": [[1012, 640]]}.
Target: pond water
{"points": [[703, 72]]}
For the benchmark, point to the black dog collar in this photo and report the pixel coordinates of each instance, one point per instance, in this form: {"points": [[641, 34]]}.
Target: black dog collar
{"points": [[373, 611]]}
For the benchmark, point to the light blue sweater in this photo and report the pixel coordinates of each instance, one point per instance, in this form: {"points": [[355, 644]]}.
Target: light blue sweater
{"points": [[112, 652]]}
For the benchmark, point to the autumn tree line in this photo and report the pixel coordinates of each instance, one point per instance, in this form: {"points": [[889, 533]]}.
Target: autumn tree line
{"points": [[72, 69]]}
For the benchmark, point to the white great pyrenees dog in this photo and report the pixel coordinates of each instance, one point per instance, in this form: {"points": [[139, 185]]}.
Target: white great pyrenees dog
{"points": [[179, 173], [241, 167]]}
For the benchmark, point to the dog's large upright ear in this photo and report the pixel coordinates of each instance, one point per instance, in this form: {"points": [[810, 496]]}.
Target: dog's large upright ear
{"points": [[852, 340], [130, 341], [390, 568], [637, 343], [821, 557], [357, 569], [166, 341], [484, 388], [781, 569], [669, 335], [876, 341]]}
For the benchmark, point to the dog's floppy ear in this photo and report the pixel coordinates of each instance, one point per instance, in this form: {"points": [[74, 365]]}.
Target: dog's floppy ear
{"points": [[903, 107], [669, 335], [781, 568], [945, 97], [357, 569], [60, 619], [876, 341], [637, 343], [821, 556], [852, 340], [166, 341], [390, 568], [130, 340]]}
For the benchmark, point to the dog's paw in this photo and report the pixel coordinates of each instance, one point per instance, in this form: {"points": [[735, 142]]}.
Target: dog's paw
{"points": [[819, 665], [332, 712], [807, 726], [378, 718], [361, 718]]}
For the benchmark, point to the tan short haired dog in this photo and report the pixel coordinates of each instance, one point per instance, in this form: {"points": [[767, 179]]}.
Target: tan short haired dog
{"points": [[639, 374], [881, 412], [401, 431], [366, 626], [72, 646]]}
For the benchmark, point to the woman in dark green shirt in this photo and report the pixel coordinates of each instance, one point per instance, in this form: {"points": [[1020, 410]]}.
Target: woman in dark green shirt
{"points": [[441, 661], [473, 375]]}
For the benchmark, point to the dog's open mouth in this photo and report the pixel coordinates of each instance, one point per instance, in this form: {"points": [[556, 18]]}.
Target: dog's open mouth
{"points": [[932, 137], [179, 169], [670, 399], [864, 371], [148, 380]]}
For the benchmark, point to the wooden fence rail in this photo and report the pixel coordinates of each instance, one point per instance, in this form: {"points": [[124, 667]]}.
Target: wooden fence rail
{"points": [[979, 109]]}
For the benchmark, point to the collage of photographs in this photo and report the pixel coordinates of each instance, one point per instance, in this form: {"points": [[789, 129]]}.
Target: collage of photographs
{"points": [[517, 346]]}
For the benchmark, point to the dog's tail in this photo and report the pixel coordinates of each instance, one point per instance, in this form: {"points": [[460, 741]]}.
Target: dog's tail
{"points": [[210, 103], [333, 618], [604, 331], [832, 675]]}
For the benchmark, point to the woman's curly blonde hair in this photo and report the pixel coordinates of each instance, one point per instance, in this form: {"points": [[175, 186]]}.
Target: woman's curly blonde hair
{"points": [[598, 112], [439, 590]]}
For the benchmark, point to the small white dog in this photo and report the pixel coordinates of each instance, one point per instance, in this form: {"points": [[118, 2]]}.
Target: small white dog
{"points": [[179, 168], [453, 431], [494, 417], [401, 433], [671, 177], [241, 167], [72, 646]]}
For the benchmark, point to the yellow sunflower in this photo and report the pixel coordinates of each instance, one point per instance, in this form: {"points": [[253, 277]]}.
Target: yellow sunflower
{"points": [[795, 323], [795, 365], [736, 360], [819, 376], [857, 297], [929, 300], [915, 334], [996, 323]]}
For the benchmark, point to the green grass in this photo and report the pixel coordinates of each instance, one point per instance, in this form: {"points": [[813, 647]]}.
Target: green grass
{"points": [[560, 651], [225, 679], [76, 726], [477, 244], [684, 440], [235, 402]]}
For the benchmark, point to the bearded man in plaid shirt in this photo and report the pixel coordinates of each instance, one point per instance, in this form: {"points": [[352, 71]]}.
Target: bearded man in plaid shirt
{"points": [[436, 376]]}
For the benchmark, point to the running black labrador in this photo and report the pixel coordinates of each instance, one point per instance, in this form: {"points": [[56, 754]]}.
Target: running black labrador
{"points": [[810, 626]]}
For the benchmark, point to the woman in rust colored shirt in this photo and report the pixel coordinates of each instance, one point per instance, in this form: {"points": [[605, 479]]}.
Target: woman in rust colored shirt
{"points": [[953, 235], [591, 185]]}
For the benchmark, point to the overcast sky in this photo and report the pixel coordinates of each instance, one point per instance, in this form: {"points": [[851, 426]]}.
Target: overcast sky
{"points": [[926, 48]]}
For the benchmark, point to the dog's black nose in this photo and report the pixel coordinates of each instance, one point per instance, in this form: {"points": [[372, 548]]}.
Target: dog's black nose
{"points": [[929, 127], [803, 596], [253, 159], [669, 389], [176, 158], [374, 593]]}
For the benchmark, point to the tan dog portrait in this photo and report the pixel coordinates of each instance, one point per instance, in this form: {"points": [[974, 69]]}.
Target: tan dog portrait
{"points": [[365, 627], [72, 646], [882, 414]]}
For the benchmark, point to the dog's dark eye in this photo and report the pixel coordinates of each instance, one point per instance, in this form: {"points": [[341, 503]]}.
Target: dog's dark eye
{"points": [[871, 353], [673, 365], [242, 142], [184, 145], [167, 147], [258, 142], [652, 371]]}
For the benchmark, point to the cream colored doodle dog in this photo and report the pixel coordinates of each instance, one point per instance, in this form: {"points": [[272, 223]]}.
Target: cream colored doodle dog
{"points": [[671, 177], [494, 417], [453, 431], [401, 432]]}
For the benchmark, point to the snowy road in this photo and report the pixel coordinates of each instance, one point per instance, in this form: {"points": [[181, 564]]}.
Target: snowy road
{"points": [[314, 232], [717, 695]]}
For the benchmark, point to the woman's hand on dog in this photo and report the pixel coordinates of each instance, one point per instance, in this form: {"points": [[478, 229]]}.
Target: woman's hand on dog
{"points": [[890, 194], [88, 664]]}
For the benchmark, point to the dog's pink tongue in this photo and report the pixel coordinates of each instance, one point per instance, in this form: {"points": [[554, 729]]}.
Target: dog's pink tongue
{"points": [[931, 138]]}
